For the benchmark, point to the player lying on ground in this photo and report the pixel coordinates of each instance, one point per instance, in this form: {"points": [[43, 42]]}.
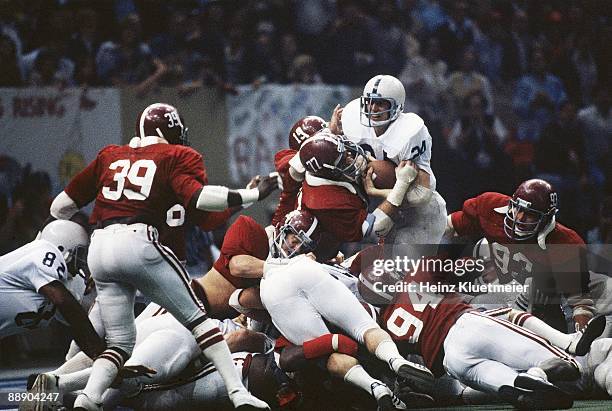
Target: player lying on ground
{"points": [[441, 327], [164, 353], [300, 296]]}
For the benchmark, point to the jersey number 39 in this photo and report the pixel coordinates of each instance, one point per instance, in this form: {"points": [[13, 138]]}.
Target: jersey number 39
{"points": [[139, 174]]}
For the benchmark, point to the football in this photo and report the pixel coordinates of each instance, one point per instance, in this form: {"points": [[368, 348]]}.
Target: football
{"points": [[383, 173]]}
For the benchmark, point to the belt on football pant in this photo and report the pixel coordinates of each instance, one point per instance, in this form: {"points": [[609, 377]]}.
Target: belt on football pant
{"points": [[123, 220]]}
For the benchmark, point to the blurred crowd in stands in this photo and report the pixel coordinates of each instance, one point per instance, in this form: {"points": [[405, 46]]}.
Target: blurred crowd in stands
{"points": [[509, 88]]}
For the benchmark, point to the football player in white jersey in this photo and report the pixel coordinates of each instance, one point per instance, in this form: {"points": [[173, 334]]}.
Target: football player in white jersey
{"points": [[164, 352], [376, 123], [44, 279]]}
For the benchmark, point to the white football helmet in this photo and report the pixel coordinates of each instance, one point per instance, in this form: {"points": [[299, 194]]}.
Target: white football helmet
{"points": [[72, 240], [382, 87]]}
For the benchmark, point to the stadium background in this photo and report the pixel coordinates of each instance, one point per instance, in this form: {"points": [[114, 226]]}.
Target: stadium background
{"points": [[75, 75]]}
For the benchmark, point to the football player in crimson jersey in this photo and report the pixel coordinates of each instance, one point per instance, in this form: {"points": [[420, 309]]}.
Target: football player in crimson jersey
{"points": [[303, 129], [232, 283], [529, 245], [302, 299], [332, 191], [481, 351], [133, 188]]}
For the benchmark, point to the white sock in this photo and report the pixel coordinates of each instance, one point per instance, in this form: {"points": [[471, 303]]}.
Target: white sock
{"points": [[387, 351], [103, 372], [78, 362], [539, 327], [213, 345], [74, 381], [360, 378]]}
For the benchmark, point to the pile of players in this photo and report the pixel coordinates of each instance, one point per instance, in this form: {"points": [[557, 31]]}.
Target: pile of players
{"points": [[319, 331]]}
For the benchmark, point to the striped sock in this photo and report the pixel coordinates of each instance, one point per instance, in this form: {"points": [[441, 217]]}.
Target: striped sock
{"points": [[209, 338]]}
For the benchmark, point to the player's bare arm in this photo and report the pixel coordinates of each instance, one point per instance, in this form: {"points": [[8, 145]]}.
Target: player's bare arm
{"points": [[246, 266], [82, 330]]}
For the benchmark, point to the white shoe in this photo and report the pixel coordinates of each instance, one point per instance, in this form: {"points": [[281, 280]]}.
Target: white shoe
{"points": [[245, 401], [45, 386], [84, 403]]}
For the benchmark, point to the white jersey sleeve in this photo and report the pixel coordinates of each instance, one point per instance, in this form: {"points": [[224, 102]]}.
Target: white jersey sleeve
{"points": [[407, 138], [34, 265], [23, 273]]}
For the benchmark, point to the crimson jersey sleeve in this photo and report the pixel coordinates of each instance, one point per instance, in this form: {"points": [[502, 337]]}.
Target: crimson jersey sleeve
{"points": [[288, 197], [83, 187], [468, 221], [188, 174], [244, 237]]}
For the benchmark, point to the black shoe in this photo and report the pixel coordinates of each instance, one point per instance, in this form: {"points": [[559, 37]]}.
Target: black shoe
{"points": [[593, 329], [534, 393], [31, 379], [415, 376]]}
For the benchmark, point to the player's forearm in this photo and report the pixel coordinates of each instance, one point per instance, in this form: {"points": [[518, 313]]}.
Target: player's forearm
{"points": [[83, 331], [219, 198], [246, 266], [63, 207]]}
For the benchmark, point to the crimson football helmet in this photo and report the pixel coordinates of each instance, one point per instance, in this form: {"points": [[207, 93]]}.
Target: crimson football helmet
{"points": [[333, 157], [531, 208], [303, 129], [162, 120], [306, 234]]}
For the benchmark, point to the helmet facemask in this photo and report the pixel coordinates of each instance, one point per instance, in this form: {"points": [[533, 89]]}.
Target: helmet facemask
{"points": [[366, 113], [299, 243], [353, 161], [531, 222], [76, 262]]}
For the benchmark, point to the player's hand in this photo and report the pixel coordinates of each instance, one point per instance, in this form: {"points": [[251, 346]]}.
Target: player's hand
{"points": [[266, 186], [254, 181], [406, 171], [338, 259], [580, 321], [335, 124], [311, 255], [370, 189]]}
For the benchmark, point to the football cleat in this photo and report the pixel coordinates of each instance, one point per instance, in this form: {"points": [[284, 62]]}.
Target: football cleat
{"points": [[245, 401], [84, 403], [386, 400], [583, 340], [44, 384], [531, 392], [416, 376]]}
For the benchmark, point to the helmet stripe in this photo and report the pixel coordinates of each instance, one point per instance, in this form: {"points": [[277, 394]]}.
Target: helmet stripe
{"points": [[375, 88], [143, 115], [315, 222]]}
